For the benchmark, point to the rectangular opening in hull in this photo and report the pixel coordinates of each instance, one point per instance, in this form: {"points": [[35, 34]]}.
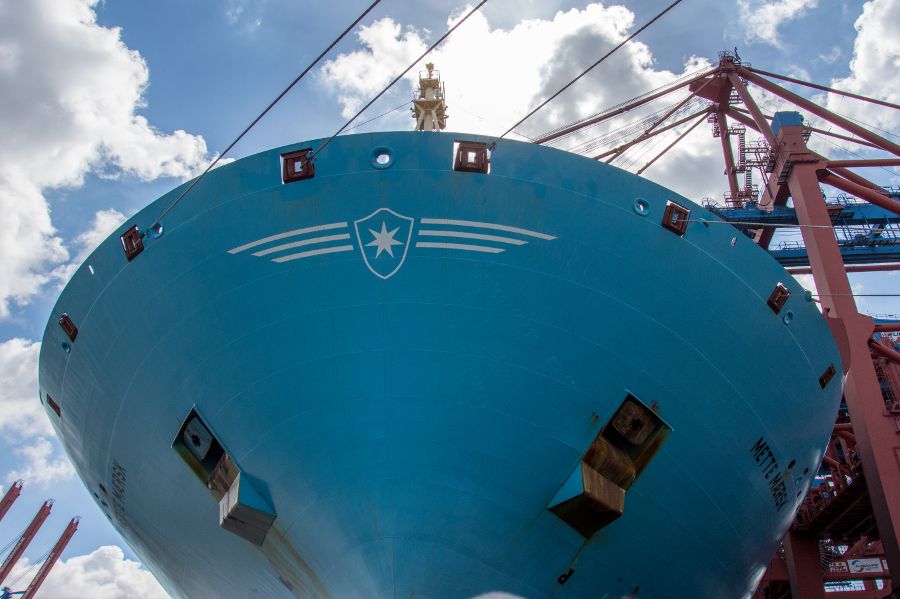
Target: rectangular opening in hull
{"points": [[594, 494], [242, 509], [198, 447]]}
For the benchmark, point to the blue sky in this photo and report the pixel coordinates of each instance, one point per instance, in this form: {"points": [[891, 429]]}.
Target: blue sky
{"points": [[108, 105]]}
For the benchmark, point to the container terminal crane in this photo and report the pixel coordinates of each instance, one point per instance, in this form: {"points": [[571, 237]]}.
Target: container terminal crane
{"points": [[20, 543]]}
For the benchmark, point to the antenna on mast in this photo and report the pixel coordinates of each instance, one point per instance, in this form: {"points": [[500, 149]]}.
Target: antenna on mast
{"points": [[429, 108]]}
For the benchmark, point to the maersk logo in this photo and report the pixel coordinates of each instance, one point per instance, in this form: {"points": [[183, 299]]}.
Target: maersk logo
{"points": [[383, 239], [396, 230]]}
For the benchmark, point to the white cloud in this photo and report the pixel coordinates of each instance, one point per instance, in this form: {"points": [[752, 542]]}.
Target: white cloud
{"points": [[798, 72], [70, 91], [874, 68], [495, 76], [101, 574], [243, 20], [364, 72], [28, 240], [105, 222], [762, 19], [21, 413], [832, 55], [41, 464], [23, 421]]}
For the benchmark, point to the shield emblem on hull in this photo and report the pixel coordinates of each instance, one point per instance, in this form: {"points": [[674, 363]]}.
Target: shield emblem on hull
{"points": [[384, 237]]}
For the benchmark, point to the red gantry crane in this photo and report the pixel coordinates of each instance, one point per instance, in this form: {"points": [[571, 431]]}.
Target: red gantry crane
{"points": [[48, 564], [10, 498], [846, 535], [24, 541]]}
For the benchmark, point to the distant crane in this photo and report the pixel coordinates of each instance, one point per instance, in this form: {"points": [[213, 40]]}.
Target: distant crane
{"points": [[10, 498], [25, 539], [48, 564]]}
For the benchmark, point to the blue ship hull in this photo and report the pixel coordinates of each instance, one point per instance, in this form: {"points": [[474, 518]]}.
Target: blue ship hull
{"points": [[407, 365]]}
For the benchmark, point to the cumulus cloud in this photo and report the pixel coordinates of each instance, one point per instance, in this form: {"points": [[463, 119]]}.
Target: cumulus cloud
{"points": [[22, 418], [873, 68], [71, 91], [762, 19], [104, 223], [101, 574], [20, 411], [41, 463], [495, 75], [388, 49]]}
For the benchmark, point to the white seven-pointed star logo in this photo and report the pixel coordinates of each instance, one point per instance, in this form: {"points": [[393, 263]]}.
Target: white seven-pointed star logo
{"points": [[383, 240], [393, 239]]}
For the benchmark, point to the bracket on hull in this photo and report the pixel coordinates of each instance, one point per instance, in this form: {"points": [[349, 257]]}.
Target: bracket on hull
{"points": [[594, 494]]}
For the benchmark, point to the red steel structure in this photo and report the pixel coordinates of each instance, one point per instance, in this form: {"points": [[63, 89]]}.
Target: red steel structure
{"points": [[10, 497], [25, 540], [48, 564], [847, 529]]}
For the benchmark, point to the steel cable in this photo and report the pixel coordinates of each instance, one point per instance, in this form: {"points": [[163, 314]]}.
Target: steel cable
{"points": [[674, 85], [8, 546], [586, 71], [383, 114], [37, 562], [398, 77], [264, 112]]}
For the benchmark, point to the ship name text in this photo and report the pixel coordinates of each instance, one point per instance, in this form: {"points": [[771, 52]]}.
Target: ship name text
{"points": [[774, 476], [119, 477]]}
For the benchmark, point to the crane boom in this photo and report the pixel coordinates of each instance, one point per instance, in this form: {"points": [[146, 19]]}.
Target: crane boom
{"points": [[10, 498], [25, 539], [48, 564]]}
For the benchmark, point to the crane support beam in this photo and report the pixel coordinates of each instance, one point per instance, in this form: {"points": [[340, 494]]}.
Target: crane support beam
{"points": [[855, 140], [25, 540], [805, 270], [876, 434], [801, 554], [885, 351], [817, 110], [851, 176], [48, 564], [675, 108], [728, 155], [616, 151], [850, 254], [621, 109], [822, 87], [835, 166], [881, 200], [862, 163], [842, 137], [672, 145], [762, 125], [10, 498]]}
